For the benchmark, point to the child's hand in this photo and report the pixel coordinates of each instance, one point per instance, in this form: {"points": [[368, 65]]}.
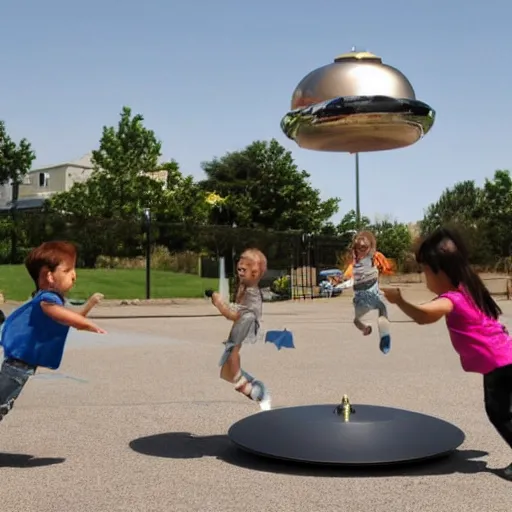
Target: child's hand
{"points": [[393, 295], [96, 298], [217, 299], [96, 329]]}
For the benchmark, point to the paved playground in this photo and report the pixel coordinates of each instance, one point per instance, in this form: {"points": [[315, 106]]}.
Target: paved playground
{"points": [[136, 420]]}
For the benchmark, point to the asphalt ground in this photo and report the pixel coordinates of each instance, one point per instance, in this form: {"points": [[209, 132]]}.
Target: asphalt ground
{"points": [[137, 420]]}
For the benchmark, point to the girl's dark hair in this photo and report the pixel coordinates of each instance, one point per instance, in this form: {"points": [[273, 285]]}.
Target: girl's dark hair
{"points": [[445, 251]]}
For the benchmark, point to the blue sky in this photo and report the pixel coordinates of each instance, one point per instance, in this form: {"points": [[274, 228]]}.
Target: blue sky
{"points": [[211, 77]]}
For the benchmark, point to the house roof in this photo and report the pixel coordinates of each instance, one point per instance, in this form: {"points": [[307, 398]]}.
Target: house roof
{"points": [[83, 162], [25, 204]]}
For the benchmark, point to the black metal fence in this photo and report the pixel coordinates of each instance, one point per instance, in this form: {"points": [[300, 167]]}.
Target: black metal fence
{"points": [[111, 242]]}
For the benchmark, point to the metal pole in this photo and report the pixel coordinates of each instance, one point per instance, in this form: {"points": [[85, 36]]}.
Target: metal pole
{"points": [[14, 221], [147, 215], [358, 209]]}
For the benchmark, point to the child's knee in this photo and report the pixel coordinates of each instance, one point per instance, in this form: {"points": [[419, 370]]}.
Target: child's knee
{"points": [[383, 311]]}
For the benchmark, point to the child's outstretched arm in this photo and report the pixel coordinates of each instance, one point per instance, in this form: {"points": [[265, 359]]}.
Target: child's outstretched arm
{"points": [[94, 300], [422, 313], [71, 318], [223, 308]]}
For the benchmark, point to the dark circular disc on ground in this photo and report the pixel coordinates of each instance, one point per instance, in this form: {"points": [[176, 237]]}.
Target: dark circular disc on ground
{"points": [[374, 435]]}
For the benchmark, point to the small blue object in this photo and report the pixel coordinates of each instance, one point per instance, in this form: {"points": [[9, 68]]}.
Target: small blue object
{"points": [[280, 339], [385, 344]]}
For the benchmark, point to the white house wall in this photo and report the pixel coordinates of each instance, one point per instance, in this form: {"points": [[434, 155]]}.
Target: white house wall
{"points": [[56, 182], [60, 178], [76, 175]]}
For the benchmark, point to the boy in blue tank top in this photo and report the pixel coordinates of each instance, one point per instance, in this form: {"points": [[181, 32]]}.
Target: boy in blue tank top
{"points": [[35, 334]]}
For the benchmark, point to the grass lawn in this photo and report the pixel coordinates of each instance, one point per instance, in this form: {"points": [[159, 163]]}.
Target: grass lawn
{"points": [[16, 284]]}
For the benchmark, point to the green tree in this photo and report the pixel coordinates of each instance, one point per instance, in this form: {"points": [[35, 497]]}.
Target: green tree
{"points": [[348, 224], [15, 159], [121, 184], [393, 239], [263, 188], [497, 214], [481, 215], [107, 210], [15, 162], [348, 227], [127, 178], [460, 205], [183, 200], [328, 229]]}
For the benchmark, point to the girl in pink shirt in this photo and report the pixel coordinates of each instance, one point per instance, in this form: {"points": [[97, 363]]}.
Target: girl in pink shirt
{"points": [[471, 314]]}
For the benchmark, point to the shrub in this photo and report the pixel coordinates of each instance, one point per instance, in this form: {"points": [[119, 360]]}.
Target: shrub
{"points": [[161, 259], [281, 286]]}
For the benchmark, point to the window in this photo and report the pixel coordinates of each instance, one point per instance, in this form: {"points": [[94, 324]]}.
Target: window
{"points": [[44, 179]]}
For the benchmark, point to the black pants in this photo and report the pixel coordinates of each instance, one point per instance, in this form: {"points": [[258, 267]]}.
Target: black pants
{"points": [[498, 400]]}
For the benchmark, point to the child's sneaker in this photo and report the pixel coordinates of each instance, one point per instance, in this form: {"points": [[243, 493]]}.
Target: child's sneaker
{"points": [[507, 472], [266, 403], [4, 409], [385, 344]]}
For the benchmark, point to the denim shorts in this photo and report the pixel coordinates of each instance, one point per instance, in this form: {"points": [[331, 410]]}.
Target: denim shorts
{"points": [[245, 330], [369, 300], [13, 377]]}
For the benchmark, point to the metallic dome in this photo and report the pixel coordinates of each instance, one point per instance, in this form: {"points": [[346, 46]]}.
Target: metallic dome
{"points": [[352, 74], [356, 104]]}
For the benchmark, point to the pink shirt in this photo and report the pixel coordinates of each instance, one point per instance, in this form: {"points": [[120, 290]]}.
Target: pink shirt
{"points": [[481, 342]]}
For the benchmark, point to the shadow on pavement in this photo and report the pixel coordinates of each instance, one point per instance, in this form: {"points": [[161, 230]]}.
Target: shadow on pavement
{"points": [[173, 315], [184, 445], [149, 316], [20, 460]]}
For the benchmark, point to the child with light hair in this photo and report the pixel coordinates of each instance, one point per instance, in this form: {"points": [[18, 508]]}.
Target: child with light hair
{"points": [[365, 269], [246, 315]]}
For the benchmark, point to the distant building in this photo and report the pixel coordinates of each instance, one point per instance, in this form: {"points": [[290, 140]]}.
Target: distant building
{"points": [[43, 182]]}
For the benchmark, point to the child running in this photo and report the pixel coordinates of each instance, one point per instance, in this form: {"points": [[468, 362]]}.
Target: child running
{"points": [[246, 316], [367, 264], [35, 334], [471, 314]]}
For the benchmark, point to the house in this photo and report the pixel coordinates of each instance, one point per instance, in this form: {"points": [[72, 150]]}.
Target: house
{"points": [[46, 181], [43, 182]]}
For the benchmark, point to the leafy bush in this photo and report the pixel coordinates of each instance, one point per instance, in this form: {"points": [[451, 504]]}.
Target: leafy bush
{"points": [[281, 286], [161, 259], [186, 262]]}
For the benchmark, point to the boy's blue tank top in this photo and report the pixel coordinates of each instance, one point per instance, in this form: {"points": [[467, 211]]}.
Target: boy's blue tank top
{"points": [[31, 336]]}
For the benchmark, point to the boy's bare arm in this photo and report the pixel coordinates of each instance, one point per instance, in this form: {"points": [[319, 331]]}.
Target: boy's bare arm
{"points": [[67, 317], [94, 300]]}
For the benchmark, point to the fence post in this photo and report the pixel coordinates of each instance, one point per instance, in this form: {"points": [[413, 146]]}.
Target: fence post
{"points": [[147, 225], [14, 220]]}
